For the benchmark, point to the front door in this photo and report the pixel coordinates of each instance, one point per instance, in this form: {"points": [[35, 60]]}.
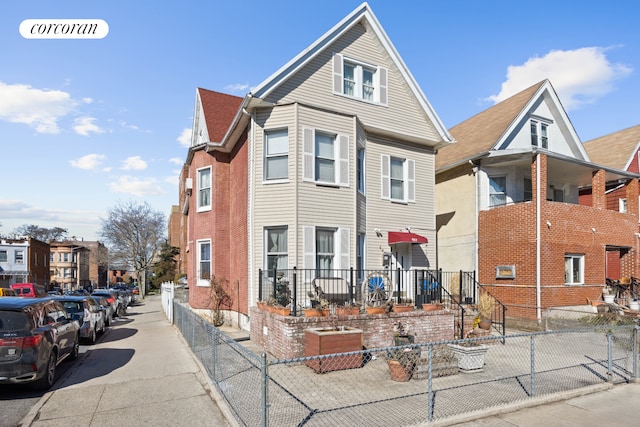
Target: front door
{"points": [[401, 262]]}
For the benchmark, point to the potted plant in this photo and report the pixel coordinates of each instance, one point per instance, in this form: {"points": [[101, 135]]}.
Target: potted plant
{"points": [[608, 295], [470, 356], [319, 306], [402, 307], [349, 308], [377, 301], [402, 361], [486, 306]]}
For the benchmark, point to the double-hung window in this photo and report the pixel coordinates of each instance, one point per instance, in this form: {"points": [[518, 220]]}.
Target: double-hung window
{"points": [[325, 249], [497, 190], [360, 170], [360, 80], [398, 179], [539, 134], [19, 257], [276, 248], [203, 248], [276, 155], [573, 269], [3, 256], [326, 158], [204, 189], [622, 205]]}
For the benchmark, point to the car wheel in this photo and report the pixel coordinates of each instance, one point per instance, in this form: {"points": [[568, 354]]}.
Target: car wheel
{"points": [[46, 382], [92, 337], [76, 349], [101, 331]]}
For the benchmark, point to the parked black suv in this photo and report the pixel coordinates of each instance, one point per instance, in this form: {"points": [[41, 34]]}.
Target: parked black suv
{"points": [[36, 334]]}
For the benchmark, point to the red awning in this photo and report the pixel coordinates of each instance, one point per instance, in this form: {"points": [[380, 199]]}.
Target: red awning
{"points": [[396, 237]]}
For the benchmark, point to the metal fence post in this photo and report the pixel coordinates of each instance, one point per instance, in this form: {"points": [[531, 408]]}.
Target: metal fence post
{"points": [[265, 399], [295, 291], [533, 367], [634, 353], [610, 356], [430, 382], [214, 354]]}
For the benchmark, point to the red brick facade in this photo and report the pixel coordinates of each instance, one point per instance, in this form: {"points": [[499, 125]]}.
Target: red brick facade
{"points": [[508, 235]]}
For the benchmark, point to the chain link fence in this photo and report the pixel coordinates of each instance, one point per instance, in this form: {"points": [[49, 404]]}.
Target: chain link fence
{"points": [[410, 384]]}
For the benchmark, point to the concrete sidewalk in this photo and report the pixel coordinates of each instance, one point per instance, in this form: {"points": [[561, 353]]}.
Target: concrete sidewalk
{"points": [[140, 373]]}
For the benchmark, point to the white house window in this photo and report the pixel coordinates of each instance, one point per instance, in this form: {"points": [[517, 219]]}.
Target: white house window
{"points": [[65, 257], [19, 257], [497, 190], [276, 158], [326, 158], [573, 269], [204, 262], [204, 189], [325, 249], [359, 80], [360, 170], [276, 248], [622, 205], [3, 256], [360, 256], [398, 179], [527, 190], [539, 134]]}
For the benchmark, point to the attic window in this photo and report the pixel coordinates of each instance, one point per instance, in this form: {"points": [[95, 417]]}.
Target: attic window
{"points": [[356, 79], [539, 134]]}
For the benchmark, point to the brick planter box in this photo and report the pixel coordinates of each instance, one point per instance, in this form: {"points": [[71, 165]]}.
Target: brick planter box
{"points": [[320, 341]]}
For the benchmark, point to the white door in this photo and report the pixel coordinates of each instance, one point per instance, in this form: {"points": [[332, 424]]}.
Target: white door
{"points": [[402, 261]]}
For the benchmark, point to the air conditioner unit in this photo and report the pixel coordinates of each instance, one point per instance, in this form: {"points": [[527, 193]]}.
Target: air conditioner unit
{"points": [[188, 184]]}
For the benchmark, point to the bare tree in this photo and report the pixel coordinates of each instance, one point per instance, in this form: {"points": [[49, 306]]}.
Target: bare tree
{"points": [[55, 234], [134, 233]]}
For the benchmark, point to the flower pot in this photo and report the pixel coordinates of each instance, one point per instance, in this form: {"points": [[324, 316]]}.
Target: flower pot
{"points": [[347, 311], [634, 306], [401, 308], [376, 310], [609, 299], [315, 312], [485, 324], [282, 311], [470, 358], [397, 371], [431, 307], [262, 305]]}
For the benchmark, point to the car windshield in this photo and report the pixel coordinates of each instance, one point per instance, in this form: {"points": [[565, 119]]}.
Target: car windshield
{"points": [[13, 321], [72, 306]]}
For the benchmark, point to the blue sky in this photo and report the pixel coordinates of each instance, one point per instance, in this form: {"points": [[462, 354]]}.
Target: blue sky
{"points": [[86, 124]]}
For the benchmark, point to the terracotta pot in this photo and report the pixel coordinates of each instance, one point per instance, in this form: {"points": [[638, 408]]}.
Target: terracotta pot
{"points": [[261, 305], [401, 308], [397, 371], [315, 312], [485, 324], [376, 310], [347, 311], [431, 307], [282, 311]]}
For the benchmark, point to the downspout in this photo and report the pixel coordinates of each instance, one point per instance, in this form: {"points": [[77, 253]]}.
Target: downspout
{"points": [[538, 204], [250, 187], [476, 177]]}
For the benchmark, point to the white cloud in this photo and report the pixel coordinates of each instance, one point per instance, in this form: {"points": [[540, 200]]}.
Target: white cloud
{"points": [[137, 187], [134, 163], [88, 162], [84, 125], [176, 161], [38, 108], [173, 179], [579, 76], [185, 137], [237, 88]]}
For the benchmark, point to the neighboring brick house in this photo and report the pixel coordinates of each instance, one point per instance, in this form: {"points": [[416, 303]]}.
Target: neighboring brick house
{"points": [[326, 165], [508, 206], [70, 266], [24, 260]]}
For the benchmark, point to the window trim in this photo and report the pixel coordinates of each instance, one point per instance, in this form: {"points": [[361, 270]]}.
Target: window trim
{"points": [[379, 79], [266, 156], [199, 207], [490, 192], [341, 150], [199, 260], [408, 178], [622, 205], [266, 246], [360, 170], [539, 129]]}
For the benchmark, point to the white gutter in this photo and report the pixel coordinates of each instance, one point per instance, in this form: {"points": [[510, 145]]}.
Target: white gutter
{"points": [[538, 193]]}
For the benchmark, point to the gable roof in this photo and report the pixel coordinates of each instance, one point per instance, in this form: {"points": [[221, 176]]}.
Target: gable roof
{"points": [[480, 133], [219, 111], [362, 14], [615, 150]]}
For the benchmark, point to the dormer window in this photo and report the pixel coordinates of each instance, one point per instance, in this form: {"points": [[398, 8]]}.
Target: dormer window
{"points": [[539, 134], [357, 79]]}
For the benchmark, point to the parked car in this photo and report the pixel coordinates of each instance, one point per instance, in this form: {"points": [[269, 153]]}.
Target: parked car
{"points": [[106, 307], [78, 292], [30, 290], [112, 298], [86, 311], [36, 335], [7, 292]]}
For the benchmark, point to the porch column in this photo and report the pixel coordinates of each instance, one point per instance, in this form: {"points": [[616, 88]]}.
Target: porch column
{"points": [[598, 185], [632, 197]]}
